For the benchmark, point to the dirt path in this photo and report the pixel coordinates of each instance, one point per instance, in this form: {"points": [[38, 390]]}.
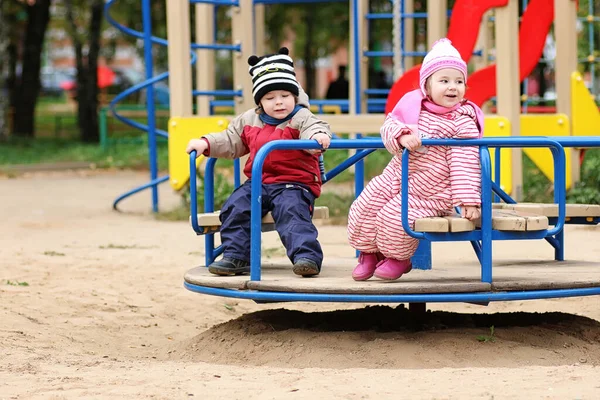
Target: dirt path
{"points": [[104, 315]]}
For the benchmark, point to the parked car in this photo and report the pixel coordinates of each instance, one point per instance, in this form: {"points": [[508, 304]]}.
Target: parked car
{"points": [[53, 79]]}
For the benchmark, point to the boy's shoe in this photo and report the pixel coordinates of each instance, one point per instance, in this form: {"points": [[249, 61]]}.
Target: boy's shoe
{"points": [[305, 267], [391, 269], [229, 266], [367, 263]]}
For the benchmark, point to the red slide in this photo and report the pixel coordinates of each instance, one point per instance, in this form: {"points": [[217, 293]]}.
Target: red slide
{"points": [[464, 28]]}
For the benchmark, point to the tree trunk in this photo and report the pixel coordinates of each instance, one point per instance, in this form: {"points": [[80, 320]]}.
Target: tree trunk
{"points": [[87, 72], [28, 87], [4, 64], [309, 50]]}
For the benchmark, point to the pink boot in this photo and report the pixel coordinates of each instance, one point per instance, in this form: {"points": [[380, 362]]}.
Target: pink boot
{"points": [[391, 269], [366, 266]]}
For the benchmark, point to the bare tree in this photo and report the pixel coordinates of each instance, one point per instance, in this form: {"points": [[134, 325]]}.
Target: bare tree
{"points": [[5, 26], [28, 87], [86, 57]]}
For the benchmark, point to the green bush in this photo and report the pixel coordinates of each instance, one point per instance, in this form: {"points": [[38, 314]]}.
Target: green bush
{"points": [[587, 190]]}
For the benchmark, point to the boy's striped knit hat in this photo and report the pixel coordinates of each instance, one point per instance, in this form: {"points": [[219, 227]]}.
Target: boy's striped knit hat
{"points": [[272, 72], [442, 55]]}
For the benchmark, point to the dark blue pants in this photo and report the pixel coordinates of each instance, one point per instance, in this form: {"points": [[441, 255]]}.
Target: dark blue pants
{"points": [[291, 206]]}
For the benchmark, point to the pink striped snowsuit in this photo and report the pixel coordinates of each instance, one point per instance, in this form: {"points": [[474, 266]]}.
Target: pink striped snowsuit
{"points": [[440, 178]]}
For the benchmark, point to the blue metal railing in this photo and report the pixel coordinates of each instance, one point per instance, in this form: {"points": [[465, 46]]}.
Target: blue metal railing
{"points": [[482, 238], [150, 128]]}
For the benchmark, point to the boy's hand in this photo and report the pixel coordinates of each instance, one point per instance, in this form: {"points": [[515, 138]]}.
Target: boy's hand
{"points": [[200, 145], [410, 142], [323, 139], [470, 212]]}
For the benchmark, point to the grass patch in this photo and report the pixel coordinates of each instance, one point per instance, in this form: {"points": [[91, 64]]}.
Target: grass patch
{"points": [[179, 213], [273, 252], [54, 254], [16, 283], [125, 247], [487, 338], [49, 150]]}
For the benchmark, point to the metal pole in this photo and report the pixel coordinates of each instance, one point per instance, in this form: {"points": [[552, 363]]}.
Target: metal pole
{"points": [[147, 21]]}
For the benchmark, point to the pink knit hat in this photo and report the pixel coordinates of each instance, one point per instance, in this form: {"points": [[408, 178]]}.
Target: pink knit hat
{"points": [[442, 55]]}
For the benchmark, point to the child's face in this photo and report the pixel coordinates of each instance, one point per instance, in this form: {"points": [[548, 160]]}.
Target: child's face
{"points": [[446, 87], [278, 103]]}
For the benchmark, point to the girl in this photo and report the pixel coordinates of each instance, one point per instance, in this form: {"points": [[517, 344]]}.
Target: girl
{"points": [[440, 178]]}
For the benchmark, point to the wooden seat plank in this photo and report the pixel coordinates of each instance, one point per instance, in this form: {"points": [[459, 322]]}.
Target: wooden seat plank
{"points": [[432, 224], [551, 210], [212, 219], [460, 224], [502, 220]]}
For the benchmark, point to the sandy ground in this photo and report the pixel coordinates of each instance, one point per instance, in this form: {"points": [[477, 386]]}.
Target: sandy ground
{"points": [[105, 315]]}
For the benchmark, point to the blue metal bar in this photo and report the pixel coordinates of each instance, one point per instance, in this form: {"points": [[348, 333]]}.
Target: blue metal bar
{"points": [[353, 159], [217, 93], [498, 192], [486, 214], [209, 206], [578, 141], [193, 194], [139, 189], [422, 257], [560, 197], [121, 96], [497, 163], [377, 92], [126, 30], [481, 297], [378, 53], [477, 249], [217, 2], [371, 16], [151, 116], [402, 49], [216, 46], [323, 102], [227, 103], [391, 15]]}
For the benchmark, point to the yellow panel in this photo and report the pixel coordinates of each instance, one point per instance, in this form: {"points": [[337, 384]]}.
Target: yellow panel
{"points": [[223, 110], [327, 109], [500, 126], [585, 114], [546, 125], [181, 130]]}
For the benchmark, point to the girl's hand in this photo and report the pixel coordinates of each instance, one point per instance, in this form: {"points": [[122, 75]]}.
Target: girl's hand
{"points": [[470, 212], [200, 145], [410, 142]]}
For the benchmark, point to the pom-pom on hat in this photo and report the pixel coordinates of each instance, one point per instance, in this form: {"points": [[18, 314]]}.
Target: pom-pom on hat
{"points": [[442, 55], [272, 72]]}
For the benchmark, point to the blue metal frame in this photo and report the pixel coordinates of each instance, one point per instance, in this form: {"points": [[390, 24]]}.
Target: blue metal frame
{"points": [[481, 297], [150, 128], [481, 239]]}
